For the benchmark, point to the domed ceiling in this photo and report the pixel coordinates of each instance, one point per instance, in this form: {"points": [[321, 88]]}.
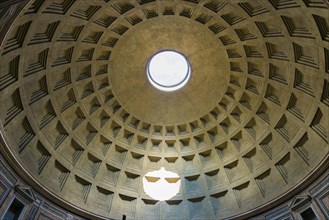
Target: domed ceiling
{"points": [[83, 124]]}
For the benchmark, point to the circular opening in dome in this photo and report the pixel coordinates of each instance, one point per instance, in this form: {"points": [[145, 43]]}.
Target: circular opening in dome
{"points": [[168, 70], [161, 184]]}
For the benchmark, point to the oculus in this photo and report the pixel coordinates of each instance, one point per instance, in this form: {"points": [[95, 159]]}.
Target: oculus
{"points": [[168, 70]]}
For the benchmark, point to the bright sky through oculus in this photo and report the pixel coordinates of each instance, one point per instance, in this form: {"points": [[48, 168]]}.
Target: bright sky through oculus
{"points": [[168, 70]]}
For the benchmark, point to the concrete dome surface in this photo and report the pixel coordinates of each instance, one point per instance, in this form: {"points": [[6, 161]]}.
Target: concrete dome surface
{"points": [[81, 121]]}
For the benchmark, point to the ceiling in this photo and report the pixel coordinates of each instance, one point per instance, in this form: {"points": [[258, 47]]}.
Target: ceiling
{"points": [[82, 123]]}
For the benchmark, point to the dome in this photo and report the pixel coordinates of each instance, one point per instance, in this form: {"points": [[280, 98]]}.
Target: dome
{"points": [[82, 123]]}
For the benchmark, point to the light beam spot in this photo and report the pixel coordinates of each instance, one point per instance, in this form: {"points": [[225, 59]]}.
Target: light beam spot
{"points": [[161, 184]]}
